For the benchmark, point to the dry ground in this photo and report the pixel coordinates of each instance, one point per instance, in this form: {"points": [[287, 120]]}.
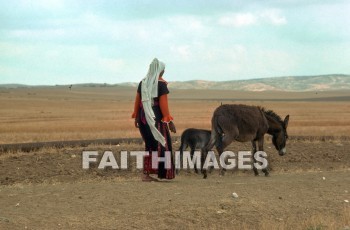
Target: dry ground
{"points": [[48, 189]]}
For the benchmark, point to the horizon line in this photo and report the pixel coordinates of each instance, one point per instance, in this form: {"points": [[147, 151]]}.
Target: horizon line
{"points": [[104, 83]]}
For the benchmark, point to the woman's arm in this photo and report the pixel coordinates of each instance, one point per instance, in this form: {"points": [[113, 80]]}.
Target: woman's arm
{"points": [[163, 103], [136, 109], [164, 108]]}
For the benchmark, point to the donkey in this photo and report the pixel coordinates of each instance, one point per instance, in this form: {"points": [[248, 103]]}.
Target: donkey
{"points": [[195, 139], [246, 123]]}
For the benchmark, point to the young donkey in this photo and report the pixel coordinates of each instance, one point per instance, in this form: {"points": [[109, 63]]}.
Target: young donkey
{"points": [[246, 123], [195, 139]]}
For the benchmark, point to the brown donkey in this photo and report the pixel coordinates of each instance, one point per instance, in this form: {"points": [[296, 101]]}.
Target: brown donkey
{"points": [[246, 123]]}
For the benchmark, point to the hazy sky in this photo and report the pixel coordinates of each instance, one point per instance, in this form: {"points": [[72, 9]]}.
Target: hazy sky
{"points": [[67, 41]]}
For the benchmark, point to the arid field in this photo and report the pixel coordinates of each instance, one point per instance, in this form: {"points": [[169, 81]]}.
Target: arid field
{"points": [[57, 113], [308, 188]]}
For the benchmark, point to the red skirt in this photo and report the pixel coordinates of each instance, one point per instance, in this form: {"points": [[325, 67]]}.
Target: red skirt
{"points": [[154, 147]]}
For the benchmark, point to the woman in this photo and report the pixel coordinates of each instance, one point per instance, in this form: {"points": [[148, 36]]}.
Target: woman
{"points": [[152, 117]]}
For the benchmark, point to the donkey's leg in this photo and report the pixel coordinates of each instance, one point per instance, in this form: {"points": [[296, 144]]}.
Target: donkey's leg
{"points": [[256, 173], [261, 148], [210, 168], [203, 157], [204, 153], [195, 165], [183, 146], [177, 171], [226, 141]]}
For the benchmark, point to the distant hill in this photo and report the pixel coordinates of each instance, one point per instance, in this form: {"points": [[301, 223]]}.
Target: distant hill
{"points": [[329, 82], [12, 85], [300, 83]]}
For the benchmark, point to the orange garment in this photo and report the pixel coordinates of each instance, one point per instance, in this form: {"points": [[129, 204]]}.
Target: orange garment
{"points": [[136, 105], [163, 104]]}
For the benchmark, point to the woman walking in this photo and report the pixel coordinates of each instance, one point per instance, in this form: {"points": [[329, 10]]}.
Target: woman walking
{"points": [[152, 117]]}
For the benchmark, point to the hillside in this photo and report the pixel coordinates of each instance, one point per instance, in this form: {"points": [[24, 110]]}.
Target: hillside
{"points": [[300, 83], [292, 83]]}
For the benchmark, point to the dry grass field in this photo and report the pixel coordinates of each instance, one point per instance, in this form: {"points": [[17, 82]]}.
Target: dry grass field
{"points": [[48, 189], [57, 113]]}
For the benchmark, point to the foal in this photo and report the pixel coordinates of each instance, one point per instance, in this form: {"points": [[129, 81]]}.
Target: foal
{"points": [[195, 139]]}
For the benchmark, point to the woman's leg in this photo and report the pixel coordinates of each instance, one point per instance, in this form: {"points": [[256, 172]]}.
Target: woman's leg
{"points": [[150, 145], [165, 173]]}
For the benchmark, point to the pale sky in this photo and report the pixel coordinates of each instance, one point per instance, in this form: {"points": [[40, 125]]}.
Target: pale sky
{"points": [[104, 41]]}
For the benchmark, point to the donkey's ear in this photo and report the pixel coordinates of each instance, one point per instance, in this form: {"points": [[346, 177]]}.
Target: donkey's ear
{"points": [[286, 120]]}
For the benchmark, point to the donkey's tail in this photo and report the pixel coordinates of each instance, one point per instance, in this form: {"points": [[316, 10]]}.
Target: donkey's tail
{"points": [[216, 133], [182, 145]]}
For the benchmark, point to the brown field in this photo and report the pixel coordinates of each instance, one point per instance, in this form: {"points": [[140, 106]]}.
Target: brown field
{"points": [[56, 113], [48, 189]]}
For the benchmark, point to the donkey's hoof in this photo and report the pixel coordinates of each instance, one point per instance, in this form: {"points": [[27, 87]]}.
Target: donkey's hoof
{"points": [[266, 172], [204, 174]]}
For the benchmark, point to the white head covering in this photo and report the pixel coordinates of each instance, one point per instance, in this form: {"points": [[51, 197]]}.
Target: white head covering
{"points": [[149, 90]]}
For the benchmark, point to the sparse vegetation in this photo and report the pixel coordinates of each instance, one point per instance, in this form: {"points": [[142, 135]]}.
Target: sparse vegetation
{"points": [[57, 113]]}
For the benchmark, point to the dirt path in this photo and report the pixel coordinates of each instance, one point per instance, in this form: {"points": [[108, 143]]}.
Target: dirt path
{"points": [[286, 200], [48, 189]]}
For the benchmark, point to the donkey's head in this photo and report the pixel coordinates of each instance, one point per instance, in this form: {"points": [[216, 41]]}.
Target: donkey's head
{"points": [[280, 136], [278, 130]]}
